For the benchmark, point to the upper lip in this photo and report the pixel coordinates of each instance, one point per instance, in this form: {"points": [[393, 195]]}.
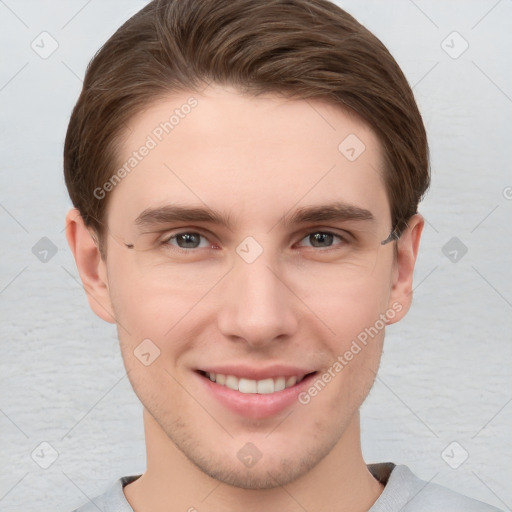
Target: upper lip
{"points": [[250, 372]]}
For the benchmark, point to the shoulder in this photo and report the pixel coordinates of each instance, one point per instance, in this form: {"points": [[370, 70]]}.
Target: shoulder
{"points": [[406, 492], [112, 500]]}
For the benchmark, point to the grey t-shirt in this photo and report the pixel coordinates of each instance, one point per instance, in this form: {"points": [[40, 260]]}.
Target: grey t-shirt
{"points": [[403, 492]]}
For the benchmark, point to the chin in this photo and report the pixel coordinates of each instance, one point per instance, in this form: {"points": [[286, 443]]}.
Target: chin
{"points": [[253, 462], [264, 475]]}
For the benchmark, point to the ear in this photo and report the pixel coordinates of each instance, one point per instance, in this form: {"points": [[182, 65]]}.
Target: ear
{"points": [[407, 250], [91, 267]]}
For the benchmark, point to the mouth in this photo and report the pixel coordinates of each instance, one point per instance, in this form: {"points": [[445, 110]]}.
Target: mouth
{"points": [[251, 386], [254, 398]]}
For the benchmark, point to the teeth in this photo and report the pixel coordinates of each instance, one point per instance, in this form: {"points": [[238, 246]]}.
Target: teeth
{"points": [[232, 382], [279, 384], [262, 387], [265, 386], [247, 386], [290, 381]]}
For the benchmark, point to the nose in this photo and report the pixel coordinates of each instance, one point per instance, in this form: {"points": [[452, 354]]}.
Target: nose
{"points": [[257, 306]]}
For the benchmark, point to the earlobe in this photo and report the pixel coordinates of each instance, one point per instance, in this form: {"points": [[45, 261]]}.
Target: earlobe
{"points": [[91, 266], [407, 252]]}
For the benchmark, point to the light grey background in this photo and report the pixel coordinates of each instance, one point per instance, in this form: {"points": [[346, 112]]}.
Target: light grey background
{"points": [[445, 374]]}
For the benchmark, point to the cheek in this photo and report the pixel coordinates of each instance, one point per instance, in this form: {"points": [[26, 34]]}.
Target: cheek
{"points": [[170, 313], [349, 309], [355, 353], [357, 317], [151, 305]]}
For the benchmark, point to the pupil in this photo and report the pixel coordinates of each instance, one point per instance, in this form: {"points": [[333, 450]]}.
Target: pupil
{"points": [[188, 240], [318, 239]]}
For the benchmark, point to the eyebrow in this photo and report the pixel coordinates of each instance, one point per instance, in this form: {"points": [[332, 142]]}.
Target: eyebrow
{"points": [[176, 213], [337, 211]]}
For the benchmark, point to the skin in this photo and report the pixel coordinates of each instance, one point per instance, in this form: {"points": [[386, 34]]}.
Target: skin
{"points": [[255, 160]]}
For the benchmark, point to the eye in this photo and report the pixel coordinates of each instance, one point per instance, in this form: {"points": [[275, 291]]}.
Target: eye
{"points": [[187, 240], [321, 239]]}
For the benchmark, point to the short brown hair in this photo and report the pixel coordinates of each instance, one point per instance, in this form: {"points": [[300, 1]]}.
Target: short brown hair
{"points": [[302, 48]]}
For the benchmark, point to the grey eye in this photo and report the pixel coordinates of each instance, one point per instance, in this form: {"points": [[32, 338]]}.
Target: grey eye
{"points": [[186, 240], [320, 239]]}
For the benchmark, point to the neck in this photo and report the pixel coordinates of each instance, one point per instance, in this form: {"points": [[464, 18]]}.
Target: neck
{"points": [[341, 481]]}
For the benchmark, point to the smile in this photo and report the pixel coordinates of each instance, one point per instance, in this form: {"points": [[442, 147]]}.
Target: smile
{"points": [[255, 393], [262, 387]]}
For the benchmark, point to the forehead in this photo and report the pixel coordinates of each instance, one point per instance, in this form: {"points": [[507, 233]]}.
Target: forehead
{"points": [[254, 159]]}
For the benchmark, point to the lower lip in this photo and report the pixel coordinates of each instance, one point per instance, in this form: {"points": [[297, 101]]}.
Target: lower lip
{"points": [[254, 405]]}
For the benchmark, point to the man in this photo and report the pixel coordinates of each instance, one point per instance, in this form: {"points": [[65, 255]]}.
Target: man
{"points": [[246, 176]]}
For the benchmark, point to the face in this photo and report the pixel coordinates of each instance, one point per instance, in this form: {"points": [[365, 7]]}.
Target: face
{"points": [[244, 251]]}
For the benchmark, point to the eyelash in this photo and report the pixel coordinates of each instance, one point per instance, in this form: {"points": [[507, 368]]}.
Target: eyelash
{"points": [[344, 240]]}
